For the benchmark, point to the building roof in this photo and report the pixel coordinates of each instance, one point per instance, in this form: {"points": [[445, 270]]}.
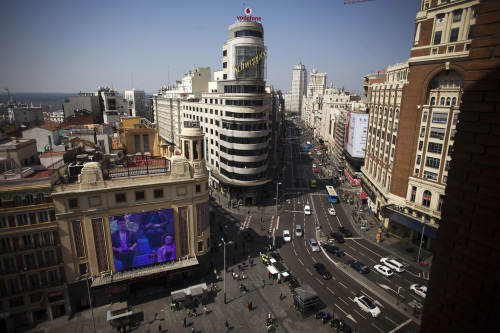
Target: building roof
{"points": [[50, 126], [74, 120]]}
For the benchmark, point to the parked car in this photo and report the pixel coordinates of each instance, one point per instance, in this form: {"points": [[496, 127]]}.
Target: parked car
{"points": [[321, 269], [316, 171], [314, 245], [346, 232], [337, 237], [332, 211], [298, 230], [286, 236], [307, 210], [367, 305], [419, 290], [393, 264], [384, 270], [359, 266], [333, 250]]}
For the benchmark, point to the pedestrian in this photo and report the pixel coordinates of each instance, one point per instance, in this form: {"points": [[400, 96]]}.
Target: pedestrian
{"points": [[160, 329], [193, 329], [270, 275], [281, 296], [205, 310], [118, 328], [251, 307], [226, 324], [184, 322], [248, 307], [261, 227], [188, 312]]}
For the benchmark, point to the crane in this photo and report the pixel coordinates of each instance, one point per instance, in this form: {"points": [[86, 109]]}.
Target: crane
{"points": [[347, 2]]}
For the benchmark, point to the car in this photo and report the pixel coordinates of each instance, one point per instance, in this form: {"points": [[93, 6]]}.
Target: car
{"points": [[286, 236], [333, 250], [359, 266], [367, 305], [332, 211], [314, 166], [298, 230], [393, 264], [314, 245], [310, 153], [419, 290], [307, 210], [384, 270], [346, 232], [316, 171], [321, 269], [337, 237]]}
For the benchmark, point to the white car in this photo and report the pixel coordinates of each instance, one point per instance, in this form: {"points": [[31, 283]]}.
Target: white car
{"points": [[367, 305], [384, 270], [332, 211], [286, 236], [307, 210], [393, 264], [419, 290], [314, 166]]}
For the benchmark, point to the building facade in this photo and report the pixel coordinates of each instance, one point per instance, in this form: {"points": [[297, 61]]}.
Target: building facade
{"points": [[136, 103], [298, 91]]}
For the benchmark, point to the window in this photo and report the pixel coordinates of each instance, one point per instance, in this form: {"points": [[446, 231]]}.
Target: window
{"points": [[450, 150], [140, 195], [471, 31], [198, 188], [420, 145], [424, 118], [434, 51], [22, 219], [9, 265], [30, 261], [435, 148], [40, 197], [3, 222], [145, 143], [200, 246], [224, 54], [473, 11], [29, 199], [43, 217], [437, 133], [457, 15], [454, 101], [73, 203], [413, 193], [46, 238], [447, 166], [34, 280], [120, 197], [440, 203], [454, 35], [442, 101], [50, 257], [432, 162], [158, 193], [440, 20], [137, 143], [451, 49], [419, 157], [439, 117], [224, 65], [17, 201], [448, 101], [437, 37], [426, 200]]}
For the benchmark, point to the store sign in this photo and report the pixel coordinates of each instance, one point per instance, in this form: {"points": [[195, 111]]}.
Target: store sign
{"points": [[249, 63], [248, 16]]}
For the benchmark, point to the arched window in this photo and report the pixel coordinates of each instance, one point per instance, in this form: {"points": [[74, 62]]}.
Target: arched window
{"points": [[426, 200], [17, 201], [397, 113], [29, 199], [433, 100], [442, 101], [390, 112], [40, 197], [448, 101], [454, 101]]}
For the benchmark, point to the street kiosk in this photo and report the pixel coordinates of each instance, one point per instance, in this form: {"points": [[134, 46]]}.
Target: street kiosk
{"points": [[304, 300]]}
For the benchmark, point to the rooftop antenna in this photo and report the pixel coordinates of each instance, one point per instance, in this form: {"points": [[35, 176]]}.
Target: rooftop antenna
{"points": [[168, 76], [132, 81]]}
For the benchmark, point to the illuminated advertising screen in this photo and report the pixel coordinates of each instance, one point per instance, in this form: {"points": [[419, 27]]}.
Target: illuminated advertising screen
{"points": [[142, 238]]}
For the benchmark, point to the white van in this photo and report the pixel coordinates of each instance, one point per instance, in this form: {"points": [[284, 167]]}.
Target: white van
{"points": [[393, 264]]}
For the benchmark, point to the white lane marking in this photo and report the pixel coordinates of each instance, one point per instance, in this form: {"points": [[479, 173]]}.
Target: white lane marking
{"points": [[338, 307], [361, 254], [330, 290], [400, 326], [408, 281], [307, 269], [301, 262], [342, 285], [343, 301], [377, 328], [359, 314], [366, 248], [320, 281], [391, 320], [372, 260], [278, 223]]}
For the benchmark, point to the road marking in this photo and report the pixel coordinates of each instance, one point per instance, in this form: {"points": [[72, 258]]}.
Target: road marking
{"points": [[359, 314], [342, 285], [377, 328], [330, 290], [391, 320], [343, 301], [408, 281], [340, 309], [417, 275], [372, 260], [320, 281], [365, 247], [301, 262], [307, 269], [361, 254], [400, 326]]}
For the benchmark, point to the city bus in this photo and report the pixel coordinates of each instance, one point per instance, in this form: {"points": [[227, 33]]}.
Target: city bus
{"points": [[331, 194], [308, 143]]}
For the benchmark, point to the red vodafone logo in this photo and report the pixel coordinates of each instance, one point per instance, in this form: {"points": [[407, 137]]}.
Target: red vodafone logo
{"points": [[248, 16], [248, 11]]}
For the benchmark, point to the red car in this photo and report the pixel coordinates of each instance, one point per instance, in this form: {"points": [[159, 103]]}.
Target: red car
{"points": [[316, 171]]}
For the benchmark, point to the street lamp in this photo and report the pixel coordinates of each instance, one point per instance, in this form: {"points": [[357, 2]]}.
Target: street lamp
{"points": [[224, 243], [421, 241], [399, 289], [87, 276], [277, 184]]}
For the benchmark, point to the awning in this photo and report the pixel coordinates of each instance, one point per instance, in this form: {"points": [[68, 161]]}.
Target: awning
{"points": [[178, 296], [271, 269], [197, 291], [362, 196], [409, 221]]}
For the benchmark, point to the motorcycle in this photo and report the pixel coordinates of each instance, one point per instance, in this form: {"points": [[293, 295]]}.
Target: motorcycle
{"points": [[326, 318], [421, 262], [319, 315]]}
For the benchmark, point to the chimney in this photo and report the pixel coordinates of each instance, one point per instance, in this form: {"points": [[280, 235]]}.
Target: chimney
{"points": [[383, 71], [378, 73]]}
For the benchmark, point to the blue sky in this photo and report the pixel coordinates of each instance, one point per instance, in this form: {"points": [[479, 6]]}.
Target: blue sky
{"points": [[71, 46]]}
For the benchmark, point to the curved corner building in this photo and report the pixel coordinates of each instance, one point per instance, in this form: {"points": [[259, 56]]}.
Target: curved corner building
{"points": [[245, 121]]}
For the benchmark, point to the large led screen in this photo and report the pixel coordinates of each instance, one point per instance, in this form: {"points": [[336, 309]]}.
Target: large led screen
{"points": [[142, 238]]}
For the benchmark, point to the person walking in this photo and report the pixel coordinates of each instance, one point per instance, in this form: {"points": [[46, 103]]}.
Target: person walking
{"points": [[281, 296], [193, 330], [184, 322], [160, 329], [261, 227], [226, 324], [205, 310]]}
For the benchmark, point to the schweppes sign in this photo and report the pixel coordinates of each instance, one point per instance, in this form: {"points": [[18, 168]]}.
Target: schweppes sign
{"points": [[249, 63]]}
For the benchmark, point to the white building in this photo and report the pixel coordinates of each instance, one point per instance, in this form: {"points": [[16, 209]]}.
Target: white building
{"points": [[298, 92], [136, 103]]}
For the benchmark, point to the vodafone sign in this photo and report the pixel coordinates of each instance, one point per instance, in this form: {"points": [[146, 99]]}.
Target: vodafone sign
{"points": [[248, 16]]}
